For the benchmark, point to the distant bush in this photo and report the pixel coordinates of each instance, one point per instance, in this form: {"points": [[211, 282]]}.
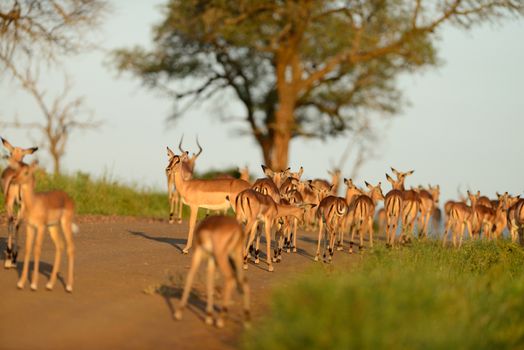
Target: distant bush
{"points": [[104, 196], [418, 297]]}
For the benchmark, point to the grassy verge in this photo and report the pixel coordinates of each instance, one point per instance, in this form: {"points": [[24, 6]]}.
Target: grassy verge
{"points": [[105, 197], [420, 297]]}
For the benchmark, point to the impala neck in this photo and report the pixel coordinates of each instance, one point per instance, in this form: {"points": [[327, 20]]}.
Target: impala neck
{"points": [[27, 191]]}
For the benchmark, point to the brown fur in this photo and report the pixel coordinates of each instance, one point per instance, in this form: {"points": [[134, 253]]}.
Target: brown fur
{"points": [[219, 240]]}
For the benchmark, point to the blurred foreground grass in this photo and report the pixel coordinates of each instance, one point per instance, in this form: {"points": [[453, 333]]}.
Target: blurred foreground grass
{"points": [[418, 297]]}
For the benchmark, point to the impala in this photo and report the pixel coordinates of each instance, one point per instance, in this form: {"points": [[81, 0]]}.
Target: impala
{"points": [[330, 212], [410, 205], [516, 218], [393, 208], [12, 201], [352, 192], [363, 213], [460, 217], [44, 209], [200, 193], [253, 207], [175, 210], [219, 240], [428, 200]]}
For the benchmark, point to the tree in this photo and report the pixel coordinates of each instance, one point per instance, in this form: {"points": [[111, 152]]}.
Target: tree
{"points": [[46, 28], [62, 116], [300, 68], [34, 33]]}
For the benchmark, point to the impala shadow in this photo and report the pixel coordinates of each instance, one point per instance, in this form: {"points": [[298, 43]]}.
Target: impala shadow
{"points": [[44, 269], [196, 303], [175, 242]]}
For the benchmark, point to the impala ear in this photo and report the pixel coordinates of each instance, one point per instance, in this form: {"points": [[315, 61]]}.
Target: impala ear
{"points": [[300, 171], [368, 185], [410, 172], [267, 171], [7, 145], [170, 153], [30, 150], [389, 178]]}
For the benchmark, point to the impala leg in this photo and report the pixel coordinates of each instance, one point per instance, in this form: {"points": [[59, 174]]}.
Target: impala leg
{"points": [[320, 228], [267, 229], [53, 232], [192, 222], [210, 290], [30, 235], [10, 249], [38, 251], [67, 227], [461, 234], [353, 229], [180, 207], [446, 230], [295, 230], [195, 263], [251, 227], [370, 229]]}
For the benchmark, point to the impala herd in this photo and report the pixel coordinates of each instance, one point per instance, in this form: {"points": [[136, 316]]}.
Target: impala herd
{"points": [[281, 202]]}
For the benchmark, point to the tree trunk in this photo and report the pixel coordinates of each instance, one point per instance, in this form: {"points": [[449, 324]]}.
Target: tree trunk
{"points": [[56, 163], [283, 129]]}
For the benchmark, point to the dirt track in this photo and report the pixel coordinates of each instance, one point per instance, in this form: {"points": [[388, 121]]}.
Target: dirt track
{"points": [[121, 265]]}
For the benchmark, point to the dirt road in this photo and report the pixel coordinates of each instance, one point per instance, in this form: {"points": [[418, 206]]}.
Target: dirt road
{"points": [[129, 274]]}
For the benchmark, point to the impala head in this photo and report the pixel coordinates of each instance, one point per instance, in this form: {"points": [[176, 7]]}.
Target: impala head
{"points": [[375, 192], [321, 192], [395, 184], [24, 173], [335, 175], [277, 176], [296, 175], [435, 193], [473, 197], [190, 160], [17, 154], [401, 177]]}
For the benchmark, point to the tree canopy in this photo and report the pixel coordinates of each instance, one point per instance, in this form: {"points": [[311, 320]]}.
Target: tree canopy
{"points": [[300, 68]]}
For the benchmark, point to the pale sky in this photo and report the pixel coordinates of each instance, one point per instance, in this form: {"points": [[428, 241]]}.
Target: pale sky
{"points": [[463, 127]]}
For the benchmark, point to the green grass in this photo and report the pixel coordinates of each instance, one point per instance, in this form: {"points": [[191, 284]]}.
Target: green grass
{"points": [[418, 297], [104, 196]]}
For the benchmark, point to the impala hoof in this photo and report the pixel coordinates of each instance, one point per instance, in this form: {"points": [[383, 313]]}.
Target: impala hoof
{"points": [[245, 266], [49, 286], [179, 221], [9, 264], [294, 250], [178, 315], [288, 250], [316, 258], [69, 288], [185, 251], [209, 320], [20, 285], [34, 286], [271, 268], [257, 261], [220, 323], [339, 248]]}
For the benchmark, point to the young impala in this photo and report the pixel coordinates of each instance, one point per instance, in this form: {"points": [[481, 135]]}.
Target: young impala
{"points": [[43, 210], [12, 201], [219, 240]]}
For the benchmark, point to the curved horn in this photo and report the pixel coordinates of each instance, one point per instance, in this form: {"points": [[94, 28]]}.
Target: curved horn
{"points": [[180, 144], [199, 149]]}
